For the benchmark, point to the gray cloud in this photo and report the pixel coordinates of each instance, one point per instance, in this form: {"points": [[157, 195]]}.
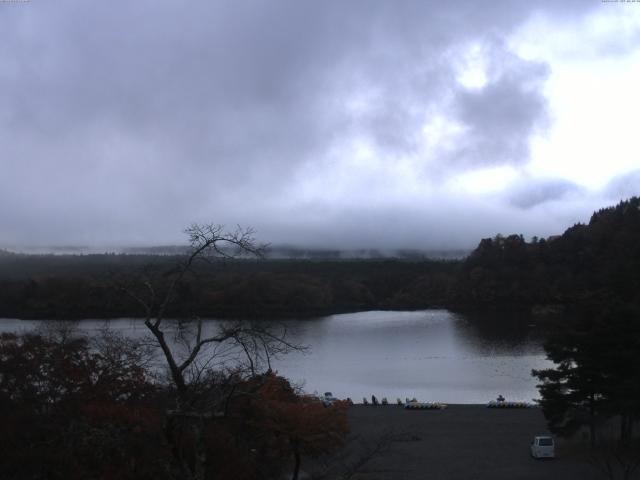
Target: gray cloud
{"points": [[624, 186], [532, 192], [122, 122], [502, 116]]}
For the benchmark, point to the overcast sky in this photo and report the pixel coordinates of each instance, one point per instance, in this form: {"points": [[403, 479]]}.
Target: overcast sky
{"points": [[401, 124]]}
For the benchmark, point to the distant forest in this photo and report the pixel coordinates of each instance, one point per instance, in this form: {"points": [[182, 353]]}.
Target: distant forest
{"points": [[598, 261]]}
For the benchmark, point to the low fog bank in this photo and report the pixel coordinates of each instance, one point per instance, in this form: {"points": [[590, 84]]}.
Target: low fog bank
{"points": [[421, 224], [273, 252]]}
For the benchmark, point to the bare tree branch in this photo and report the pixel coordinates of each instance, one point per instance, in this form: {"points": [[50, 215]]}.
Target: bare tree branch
{"points": [[200, 390]]}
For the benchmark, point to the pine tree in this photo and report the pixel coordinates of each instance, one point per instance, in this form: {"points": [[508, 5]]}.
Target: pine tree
{"points": [[597, 374]]}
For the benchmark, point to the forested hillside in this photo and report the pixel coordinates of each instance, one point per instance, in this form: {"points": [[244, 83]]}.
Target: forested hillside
{"points": [[600, 261]]}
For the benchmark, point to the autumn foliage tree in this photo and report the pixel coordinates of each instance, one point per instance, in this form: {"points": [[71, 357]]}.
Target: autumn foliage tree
{"points": [[281, 424], [68, 411]]}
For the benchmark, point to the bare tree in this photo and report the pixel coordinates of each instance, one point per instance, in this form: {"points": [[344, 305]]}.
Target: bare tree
{"points": [[203, 365], [58, 331]]}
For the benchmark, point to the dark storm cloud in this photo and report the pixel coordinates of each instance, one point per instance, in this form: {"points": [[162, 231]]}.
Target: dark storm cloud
{"points": [[122, 122]]}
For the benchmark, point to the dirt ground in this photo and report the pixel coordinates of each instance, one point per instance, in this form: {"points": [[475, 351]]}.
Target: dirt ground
{"points": [[461, 442]]}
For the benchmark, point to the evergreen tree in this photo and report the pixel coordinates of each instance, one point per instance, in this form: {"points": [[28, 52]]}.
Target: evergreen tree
{"points": [[619, 336], [573, 392], [597, 374]]}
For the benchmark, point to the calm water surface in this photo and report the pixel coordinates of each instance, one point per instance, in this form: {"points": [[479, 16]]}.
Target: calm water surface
{"points": [[433, 355]]}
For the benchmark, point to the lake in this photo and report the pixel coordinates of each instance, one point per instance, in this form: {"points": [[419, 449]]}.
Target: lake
{"points": [[433, 355]]}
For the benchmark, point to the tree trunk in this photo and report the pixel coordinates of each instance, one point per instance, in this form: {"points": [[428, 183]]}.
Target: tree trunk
{"points": [[176, 374], [592, 421], [296, 465], [626, 427], [200, 454], [170, 433]]}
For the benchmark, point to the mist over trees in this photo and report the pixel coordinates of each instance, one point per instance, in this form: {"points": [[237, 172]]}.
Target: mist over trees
{"points": [[596, 260]]}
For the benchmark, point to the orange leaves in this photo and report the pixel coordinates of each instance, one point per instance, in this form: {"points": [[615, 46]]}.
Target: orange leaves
{"points": [[310, 427]]}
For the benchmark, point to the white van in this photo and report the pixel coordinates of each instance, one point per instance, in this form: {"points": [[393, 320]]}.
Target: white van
{"points": [[542, 446]]}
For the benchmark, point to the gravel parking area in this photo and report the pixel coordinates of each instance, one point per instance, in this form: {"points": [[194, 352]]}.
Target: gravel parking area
{"points": [[460, 442]]}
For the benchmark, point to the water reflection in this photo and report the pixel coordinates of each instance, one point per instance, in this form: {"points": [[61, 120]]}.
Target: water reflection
{"points": [[500, 333], [433, 355]]}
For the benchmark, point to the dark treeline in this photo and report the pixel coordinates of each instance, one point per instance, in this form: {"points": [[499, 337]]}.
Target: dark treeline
{"points": [[86, 286], [597, 260]]}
